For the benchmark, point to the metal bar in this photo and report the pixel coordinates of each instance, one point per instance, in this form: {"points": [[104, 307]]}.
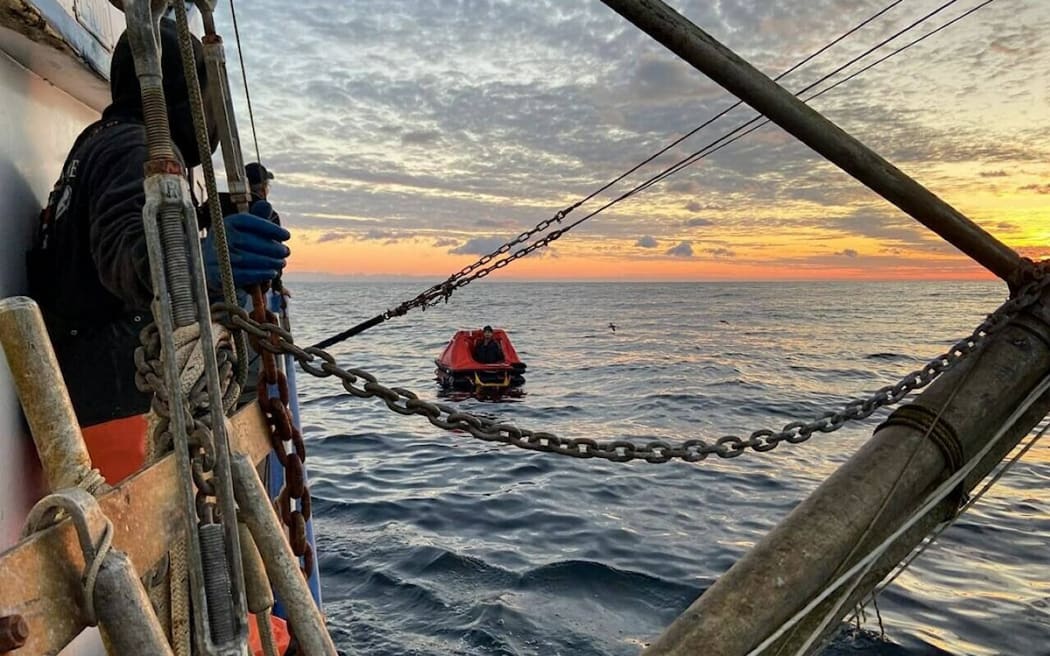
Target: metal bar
{"points": [[220, 438], [867, 499], [146, 516], [725, 67], [222, 107], [281, 564], [113, 598], [45, 401], [124, 611]]}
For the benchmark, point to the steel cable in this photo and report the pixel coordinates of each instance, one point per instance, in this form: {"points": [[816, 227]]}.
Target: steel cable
{"points": [[442, 291]]}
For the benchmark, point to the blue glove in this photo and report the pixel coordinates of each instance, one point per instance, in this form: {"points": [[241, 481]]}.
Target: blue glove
{"points": [[256, 251]]}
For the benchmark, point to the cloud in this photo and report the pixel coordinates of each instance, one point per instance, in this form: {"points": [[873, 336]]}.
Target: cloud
{"points": [[683, 249], [420, 137], [1037, 188], [444, 242], [887, 225], [720, 251], [386, 236], [333, 235], [847, 252], [478, 246], [696, 206], [494, 223], [647, 242], [439, 122]]}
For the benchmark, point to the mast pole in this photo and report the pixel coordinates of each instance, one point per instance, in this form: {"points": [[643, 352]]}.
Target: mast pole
{"points": [[728, 69]]}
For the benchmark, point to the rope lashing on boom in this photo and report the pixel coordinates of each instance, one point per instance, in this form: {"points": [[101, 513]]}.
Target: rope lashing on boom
{"points": [[441, 292], [928, 422], [941, 492]]}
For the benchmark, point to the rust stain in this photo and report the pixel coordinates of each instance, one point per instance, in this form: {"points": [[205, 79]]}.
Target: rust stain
{"points": [[39, 576], [27, 21]]}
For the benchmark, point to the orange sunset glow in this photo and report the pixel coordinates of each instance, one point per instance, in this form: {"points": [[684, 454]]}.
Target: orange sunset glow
{"points": [[420, 164]]}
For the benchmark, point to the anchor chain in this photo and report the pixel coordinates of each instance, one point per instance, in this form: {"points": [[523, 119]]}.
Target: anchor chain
{"points": [[149, 378], [293, 502], [321, 364]]}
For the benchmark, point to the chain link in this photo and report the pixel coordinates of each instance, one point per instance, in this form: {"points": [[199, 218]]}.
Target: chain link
{"points": [[361, 384], [443, 290], [149, 378], [293, 502]]}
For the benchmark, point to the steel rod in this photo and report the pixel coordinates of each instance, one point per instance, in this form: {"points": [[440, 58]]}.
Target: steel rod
{"points": [[124, 610], [725, 67], [45, 401], [282, 566]]}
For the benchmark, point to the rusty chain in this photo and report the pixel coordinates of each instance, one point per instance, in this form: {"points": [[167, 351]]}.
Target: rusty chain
{"points": [[149, 378], [443, 290], [322, 364], [293, 502]]}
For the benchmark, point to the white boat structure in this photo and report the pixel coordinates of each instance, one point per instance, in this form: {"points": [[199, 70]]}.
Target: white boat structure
{"points": [[785, 597]]}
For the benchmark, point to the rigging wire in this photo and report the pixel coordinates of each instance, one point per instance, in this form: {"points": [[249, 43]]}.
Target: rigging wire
{"points": [[244, 77], [443, 290], [759, 121], [557, 218]]}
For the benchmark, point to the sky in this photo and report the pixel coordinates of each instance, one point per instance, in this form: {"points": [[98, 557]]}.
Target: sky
{"points": [[409, 137]]}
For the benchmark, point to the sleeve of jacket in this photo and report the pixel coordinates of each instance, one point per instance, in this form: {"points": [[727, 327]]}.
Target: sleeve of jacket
{"points": [[116, 197]]}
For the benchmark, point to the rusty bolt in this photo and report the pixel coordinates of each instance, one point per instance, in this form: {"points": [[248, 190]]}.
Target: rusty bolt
{"points": [[14, 631]]}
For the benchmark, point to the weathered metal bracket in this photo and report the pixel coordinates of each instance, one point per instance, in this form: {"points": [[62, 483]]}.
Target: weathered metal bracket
{"points": [[39, 576]]}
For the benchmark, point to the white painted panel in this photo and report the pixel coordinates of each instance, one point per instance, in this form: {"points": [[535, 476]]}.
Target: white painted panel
{"points": [[39, 124], [101, 19]]}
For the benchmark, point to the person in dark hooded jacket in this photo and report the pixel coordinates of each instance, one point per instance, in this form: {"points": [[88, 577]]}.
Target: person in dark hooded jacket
{"points": [[488, 350], [89, 269]]}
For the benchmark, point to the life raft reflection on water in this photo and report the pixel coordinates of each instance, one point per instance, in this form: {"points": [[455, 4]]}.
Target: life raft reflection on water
{"points": [[458, 371]]}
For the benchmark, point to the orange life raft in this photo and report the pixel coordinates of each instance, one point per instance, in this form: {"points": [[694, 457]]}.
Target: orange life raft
{"points": [[458, 370]]}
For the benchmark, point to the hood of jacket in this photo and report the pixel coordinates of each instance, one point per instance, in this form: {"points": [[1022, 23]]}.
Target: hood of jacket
{"points": [[127, 95]]}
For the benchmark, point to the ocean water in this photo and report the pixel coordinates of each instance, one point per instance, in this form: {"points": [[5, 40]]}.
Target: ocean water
{"points": [[434, 543]]}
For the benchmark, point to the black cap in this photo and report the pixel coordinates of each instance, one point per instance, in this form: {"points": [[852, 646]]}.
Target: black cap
{"points": [[257, 173], [487, 329]]}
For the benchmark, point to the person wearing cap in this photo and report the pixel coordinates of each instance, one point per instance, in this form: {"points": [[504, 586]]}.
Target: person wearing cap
{"points": [[258, 180], [488, 350], [258, 177]]}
